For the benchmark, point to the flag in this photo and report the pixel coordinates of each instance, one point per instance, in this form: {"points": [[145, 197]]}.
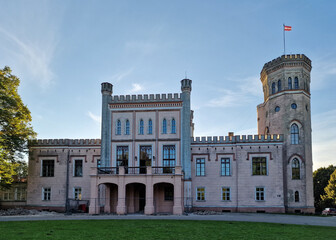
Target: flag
{"points": [[287, 28]]}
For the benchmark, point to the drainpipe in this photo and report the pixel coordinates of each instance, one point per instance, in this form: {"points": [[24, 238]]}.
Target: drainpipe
{"points": [[67, 203]]}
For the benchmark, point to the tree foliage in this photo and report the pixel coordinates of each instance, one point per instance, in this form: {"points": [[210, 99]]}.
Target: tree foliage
{"points": [[321, 177], [15, 127], [330, 190]]}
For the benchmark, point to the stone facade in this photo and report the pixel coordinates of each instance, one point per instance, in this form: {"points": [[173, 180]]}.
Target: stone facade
{"points": [[149, 162]]}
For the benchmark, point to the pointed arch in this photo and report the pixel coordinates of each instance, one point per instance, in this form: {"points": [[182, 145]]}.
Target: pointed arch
{"points": [[164, 126], [294, 133], [173, 126], [279, 85], [118, 127], [127, 127], [295, 169], [150, 126], [141, 127]]}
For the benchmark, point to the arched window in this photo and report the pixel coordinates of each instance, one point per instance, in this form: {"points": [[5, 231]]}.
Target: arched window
{"points": [[294, 134], [296, 83], [150, 126], [173, 126], [127, 127], [273, 88], [295, 169], [279, 85], [164, 126], [118, 130], [141, 127], [290, 86], [296, 196]]}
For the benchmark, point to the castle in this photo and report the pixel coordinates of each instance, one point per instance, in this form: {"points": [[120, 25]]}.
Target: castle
{"points": [[148, 161]]}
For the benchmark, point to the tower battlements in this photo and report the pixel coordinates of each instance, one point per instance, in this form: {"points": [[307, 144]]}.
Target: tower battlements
{"points": [[170, 97], [289, 60], [64, 142], [276, 138]]}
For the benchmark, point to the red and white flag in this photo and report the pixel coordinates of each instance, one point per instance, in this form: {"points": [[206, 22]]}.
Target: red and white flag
{"points": [[287, 28]]}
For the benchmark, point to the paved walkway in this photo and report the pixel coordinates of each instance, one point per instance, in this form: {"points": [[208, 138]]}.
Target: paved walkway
{"points": [[248, 217]]}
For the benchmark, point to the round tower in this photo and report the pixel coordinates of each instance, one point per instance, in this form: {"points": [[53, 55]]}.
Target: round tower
{"points": [[105, 158], [286, 110]]}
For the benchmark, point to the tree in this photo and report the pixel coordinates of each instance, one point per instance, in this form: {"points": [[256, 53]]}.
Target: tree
{"points": [[330, 190], [15, 127], [321, 177]]}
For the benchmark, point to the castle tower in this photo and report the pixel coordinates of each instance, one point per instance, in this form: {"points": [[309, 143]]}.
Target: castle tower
{"points": [[106, 90], [286, 110]]}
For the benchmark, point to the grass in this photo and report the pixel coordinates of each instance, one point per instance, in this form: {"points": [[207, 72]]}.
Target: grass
{"points": [[159, 229]]}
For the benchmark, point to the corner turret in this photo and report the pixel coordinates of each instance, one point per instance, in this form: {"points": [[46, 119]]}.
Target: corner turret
{"points": [[186, 85]]}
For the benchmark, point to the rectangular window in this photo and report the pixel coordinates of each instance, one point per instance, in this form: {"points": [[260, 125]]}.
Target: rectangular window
{"points": [[8, 195], [20, 194], [46, 194], [168, 158], [169, 193], [122, 156], [225, 167], [48, 168], [78, 170], [259, 166], [200, 167], [226, 194], [200, 194], [260, 194], [77, 194]]}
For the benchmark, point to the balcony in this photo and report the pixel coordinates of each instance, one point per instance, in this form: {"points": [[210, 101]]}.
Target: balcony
{"points": [[136, 170]]}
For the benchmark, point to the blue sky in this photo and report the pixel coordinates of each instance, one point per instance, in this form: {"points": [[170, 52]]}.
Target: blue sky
{"points": [[63, 50]]}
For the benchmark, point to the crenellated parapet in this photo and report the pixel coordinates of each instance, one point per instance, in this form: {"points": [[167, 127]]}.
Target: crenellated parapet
{"points": [[64, 142], [170, 97], [239, 139], [290, 60]]}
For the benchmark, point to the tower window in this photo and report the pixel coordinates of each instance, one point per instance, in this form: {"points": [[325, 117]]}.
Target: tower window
{"points": [[164, 126], [295, 169], [273, 88], [277, 109], [294, 134], [294, 106], [296, 83], [150, 126], [173, 126], [141, 127], [290, 86], [127, 127], [279, 85]]}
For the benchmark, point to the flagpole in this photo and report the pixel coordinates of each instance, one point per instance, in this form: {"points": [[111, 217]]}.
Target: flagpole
{"points": [[284, 39]]}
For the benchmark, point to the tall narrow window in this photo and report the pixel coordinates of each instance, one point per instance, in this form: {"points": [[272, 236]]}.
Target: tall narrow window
{"points": [[173, 126], [290, 86], [273, 88], [259, 166], [296, 83], [127, 127], [164, 126], [294, 134], [168, 158], [279, 86], [296, 196], [225, 166], [225, 194], [260, 194], [200, 194], [122, 156], [150, 126], [118, 130], [200, 167], [98, 163], [48, 168], [77, 194], [78, 168], [145, 158], [46, 194], [141, 127], [295, 169]]}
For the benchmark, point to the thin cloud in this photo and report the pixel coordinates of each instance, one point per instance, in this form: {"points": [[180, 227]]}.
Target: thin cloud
{"points": [[95, 118], [136, 87], [118, 77]]}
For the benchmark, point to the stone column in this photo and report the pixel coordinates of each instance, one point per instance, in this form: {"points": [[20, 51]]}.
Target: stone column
{"points": [[149, 208], [177, 208], [121, 207]]}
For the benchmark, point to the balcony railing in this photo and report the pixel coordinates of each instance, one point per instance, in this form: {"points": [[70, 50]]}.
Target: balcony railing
{"points": [[137, 170]]}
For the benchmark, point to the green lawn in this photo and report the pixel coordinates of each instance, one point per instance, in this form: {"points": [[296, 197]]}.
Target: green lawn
{"points": [[159, 229]]}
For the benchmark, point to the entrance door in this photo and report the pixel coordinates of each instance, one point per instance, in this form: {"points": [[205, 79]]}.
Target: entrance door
{"points": [[145, 158]]}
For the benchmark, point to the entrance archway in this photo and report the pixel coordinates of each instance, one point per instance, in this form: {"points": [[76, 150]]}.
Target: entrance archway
{"points": [[108, 197], [164, 198], [135, 197]]}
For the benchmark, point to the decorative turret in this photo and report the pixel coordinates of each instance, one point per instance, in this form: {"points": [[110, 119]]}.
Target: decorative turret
{"points": [[186, 85], [106, 88]]}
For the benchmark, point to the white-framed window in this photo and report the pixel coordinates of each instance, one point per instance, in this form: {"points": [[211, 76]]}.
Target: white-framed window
{"points": [[77, 193], [150, 126], [118, 128], [164, 126], [259, 166], [260, 194], [294, 133], [47, 168], [127, 127], [225, 167], [173, 126], [169, 158], [226, 196], [200, 167], [46, 194], [200, 193], [141, 127], [78, 168]]}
